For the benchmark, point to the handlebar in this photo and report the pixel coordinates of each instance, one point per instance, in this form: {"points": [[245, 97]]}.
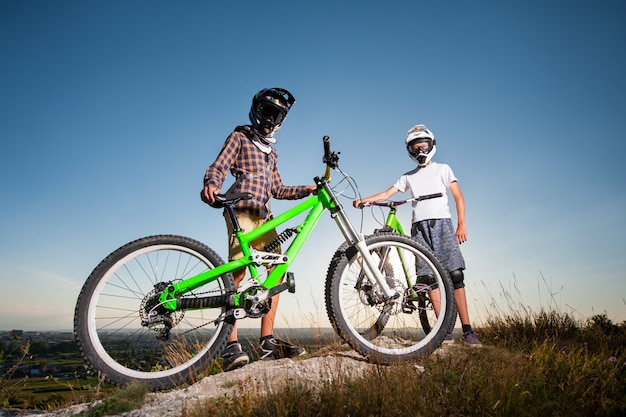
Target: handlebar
{"points": [[326, 140], [391, 204], [331, 159]]}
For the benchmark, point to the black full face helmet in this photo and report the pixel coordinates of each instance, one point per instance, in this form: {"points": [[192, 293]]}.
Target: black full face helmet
{"points": [[269, 109]]}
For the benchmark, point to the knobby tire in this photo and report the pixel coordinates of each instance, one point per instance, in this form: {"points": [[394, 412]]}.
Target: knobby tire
{"points": [[388, 331], [120, 294]]}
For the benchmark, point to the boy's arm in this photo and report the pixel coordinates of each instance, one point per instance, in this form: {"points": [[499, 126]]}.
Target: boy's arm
{"points": [[459, 200], [289, 192], [216, 173], [383, 195]]}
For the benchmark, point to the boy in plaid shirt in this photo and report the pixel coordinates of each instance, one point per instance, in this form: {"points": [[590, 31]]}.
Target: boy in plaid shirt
{"points": [[250, 157]]}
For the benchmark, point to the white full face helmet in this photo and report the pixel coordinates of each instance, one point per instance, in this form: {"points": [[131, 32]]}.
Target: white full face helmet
{"points": [[421, 144]]}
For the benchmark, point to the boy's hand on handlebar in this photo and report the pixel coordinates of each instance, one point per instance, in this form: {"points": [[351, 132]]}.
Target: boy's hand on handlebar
{"points": [[312, 189], [358, 203], [208, 194]]}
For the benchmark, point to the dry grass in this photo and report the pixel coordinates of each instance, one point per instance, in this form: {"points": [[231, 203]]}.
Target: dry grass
{"points": [[533, 363], [582, 374]]}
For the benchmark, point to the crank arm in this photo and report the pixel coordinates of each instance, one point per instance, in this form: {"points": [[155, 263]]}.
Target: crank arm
{"points": [[289, 284]]}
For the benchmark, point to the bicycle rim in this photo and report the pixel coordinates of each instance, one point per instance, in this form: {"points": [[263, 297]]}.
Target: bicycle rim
{"points": [[356, 304], [115, 304]]}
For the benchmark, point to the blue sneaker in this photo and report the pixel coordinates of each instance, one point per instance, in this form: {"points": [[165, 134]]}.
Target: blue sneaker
{"points": [[449, 339], [470, 339]]}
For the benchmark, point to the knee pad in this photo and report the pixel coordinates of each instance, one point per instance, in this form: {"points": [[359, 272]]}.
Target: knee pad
{"points": [[457, 278]]}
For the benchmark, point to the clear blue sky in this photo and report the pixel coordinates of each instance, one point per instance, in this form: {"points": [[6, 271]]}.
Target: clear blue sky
{"points": [[110, 112]]}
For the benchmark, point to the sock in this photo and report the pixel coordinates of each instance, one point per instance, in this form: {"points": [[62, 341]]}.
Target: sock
{"points": [[264, 338], [466, 328]]}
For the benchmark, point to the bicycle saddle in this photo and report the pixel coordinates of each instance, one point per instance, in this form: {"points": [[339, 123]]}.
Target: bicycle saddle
{"points": [[228, 199]]}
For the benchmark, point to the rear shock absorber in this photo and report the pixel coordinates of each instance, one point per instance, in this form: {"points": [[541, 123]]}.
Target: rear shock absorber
{"points": [[281, 238]]}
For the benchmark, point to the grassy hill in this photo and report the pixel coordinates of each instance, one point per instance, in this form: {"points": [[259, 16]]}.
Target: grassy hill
{"points": [[531, 364]]}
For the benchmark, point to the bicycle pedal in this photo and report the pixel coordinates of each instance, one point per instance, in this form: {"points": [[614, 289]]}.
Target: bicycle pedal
{"points": [[291, 282], [408, 307], [239, 313], [288, 284]]}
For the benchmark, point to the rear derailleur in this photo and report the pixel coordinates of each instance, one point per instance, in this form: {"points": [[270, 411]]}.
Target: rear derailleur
{"points": [[156, 317]]}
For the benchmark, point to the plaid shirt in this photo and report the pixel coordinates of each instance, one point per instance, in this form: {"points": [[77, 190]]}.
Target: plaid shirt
{"points": [[258, 172]]}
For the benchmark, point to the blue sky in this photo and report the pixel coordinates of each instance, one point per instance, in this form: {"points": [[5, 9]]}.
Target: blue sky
{"points": [[111, 110]]}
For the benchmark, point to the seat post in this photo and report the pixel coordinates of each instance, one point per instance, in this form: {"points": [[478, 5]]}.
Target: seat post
{"points": [[233, 218]]}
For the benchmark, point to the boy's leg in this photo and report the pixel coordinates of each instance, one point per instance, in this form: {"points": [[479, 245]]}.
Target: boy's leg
{"points": [[270, 346], [267, 321], [459, 299], [238, 277], [247, 222], [435, 300], [461, 305], [234, 356], [469, 338]]}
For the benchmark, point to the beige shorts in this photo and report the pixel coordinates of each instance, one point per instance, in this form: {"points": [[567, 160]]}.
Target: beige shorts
{"points": [[247, 222]]}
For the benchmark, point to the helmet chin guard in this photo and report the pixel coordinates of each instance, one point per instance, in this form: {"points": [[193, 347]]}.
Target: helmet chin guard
{"points": [[423, 158], [420, 135]]}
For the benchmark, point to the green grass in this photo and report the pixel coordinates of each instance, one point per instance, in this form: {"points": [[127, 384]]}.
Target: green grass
{"points": [[128, 399], [47, 393]]}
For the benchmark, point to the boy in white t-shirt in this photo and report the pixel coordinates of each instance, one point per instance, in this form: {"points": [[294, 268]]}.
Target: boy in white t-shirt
{"points": [[431, 219]]}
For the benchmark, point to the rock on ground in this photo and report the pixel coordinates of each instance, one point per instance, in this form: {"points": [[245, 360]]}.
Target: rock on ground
{"points": [[259, 376]]}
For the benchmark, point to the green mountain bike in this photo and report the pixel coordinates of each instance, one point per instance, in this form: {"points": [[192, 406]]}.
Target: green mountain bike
{"points": [[425, 307], [159, 310]]}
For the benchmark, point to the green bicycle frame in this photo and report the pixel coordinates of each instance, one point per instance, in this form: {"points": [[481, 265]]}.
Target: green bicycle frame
{"points": [[393, 223], [315, 204]]}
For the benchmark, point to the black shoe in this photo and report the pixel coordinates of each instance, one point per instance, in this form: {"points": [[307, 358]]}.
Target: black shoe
{"points": [[234, 357], [273, 348]]}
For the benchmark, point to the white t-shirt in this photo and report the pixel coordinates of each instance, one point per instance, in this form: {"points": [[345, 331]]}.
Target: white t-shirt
{"points": [[432, 179]]}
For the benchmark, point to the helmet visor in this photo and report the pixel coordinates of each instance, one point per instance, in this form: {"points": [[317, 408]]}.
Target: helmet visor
{"points": [[270, 113], [423, 146]]}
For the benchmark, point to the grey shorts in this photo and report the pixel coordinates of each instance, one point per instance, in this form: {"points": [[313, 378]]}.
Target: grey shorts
{"points": [[440, 236]]}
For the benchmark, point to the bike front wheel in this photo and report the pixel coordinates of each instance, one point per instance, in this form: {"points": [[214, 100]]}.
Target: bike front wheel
{"points": [[124, 335], [390, 330]]}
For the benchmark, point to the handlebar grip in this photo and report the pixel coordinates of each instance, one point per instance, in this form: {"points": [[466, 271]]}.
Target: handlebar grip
{"points": [[331, 159], [429, 196], [326, 140]]}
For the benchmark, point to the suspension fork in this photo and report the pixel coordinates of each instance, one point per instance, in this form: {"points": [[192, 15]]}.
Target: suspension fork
{"points": [[338, 214]]}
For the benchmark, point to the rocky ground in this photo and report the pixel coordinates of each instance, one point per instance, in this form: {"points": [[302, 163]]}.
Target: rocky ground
{"points": [[260, 376]]}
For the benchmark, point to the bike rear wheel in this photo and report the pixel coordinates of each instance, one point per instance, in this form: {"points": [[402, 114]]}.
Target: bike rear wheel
{"points": [[120, 330], [384, 330]]}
